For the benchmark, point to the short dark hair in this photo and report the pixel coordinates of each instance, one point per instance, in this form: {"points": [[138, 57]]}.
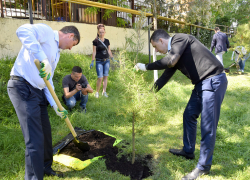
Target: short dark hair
{"points": [[159, 33], [216, 28], [77, 69], [71, 29]]}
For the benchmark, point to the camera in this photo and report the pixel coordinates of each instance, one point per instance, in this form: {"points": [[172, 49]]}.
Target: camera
{"points": [[84, 85]]}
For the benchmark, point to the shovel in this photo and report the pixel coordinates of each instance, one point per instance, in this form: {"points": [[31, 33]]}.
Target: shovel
{"points": [[83, 146]]}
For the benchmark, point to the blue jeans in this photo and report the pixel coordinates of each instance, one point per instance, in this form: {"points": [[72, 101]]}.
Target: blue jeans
{"points": [[243, 61], [71, 102], [102, 68], [205, 100]]}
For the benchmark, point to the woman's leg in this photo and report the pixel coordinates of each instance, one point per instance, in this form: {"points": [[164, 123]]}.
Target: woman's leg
{"points": [[105, 74], [105, 83], [98, 84], [99, 71]]}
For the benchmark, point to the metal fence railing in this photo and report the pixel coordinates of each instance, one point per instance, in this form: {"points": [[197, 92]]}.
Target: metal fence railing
{"points": [[19, 9], [76, 11]]}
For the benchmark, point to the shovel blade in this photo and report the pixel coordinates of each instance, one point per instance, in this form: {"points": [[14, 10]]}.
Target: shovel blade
{"points": [[83, 146]]}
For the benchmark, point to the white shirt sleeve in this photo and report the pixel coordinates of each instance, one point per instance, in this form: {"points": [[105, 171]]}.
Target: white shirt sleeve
{"points": [[39, 41], [48, 95], [31, 37]]}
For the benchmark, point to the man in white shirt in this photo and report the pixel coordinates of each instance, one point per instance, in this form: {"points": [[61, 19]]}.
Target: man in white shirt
{"points": [[29, 94], [242, 52]]}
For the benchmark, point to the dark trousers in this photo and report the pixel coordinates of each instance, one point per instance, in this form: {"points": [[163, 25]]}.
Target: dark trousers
{"points": [[206, 100], [31, 108]]}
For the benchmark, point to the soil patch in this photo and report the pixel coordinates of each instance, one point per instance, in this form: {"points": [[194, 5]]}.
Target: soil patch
{"points": [[102, 145]]}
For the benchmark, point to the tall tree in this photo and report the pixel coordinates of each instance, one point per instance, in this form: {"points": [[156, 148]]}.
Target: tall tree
{"points": [[201, 12], [234, 11]]}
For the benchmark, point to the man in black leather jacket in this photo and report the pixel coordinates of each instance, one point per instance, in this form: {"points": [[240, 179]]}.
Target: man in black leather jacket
{"points": [[194, 60]]}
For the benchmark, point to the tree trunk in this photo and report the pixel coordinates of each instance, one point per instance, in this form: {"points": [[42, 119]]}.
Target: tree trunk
{"points": [[133, 139], [198, 31], [1, 8], [132, 7]]}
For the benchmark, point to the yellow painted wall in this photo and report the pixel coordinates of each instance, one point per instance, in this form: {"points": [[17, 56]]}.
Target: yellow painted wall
{"points": [[10, 44]]}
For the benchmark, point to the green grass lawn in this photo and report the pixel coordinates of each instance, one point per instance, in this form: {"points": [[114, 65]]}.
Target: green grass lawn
{"points": [[158, 131]]}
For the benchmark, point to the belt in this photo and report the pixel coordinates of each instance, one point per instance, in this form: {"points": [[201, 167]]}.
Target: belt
{"points": [[104, 59], [18, 78]]}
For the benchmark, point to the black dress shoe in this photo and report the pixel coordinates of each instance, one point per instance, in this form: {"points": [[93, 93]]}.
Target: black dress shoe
{"points": [[54, 173], [181, 152], [195, 174]]}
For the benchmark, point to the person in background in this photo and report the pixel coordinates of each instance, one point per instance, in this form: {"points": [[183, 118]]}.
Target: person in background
{"points": [[101, 53], [242, 60], [75, 88], [29, 94], [210, 85], [221, 43]]}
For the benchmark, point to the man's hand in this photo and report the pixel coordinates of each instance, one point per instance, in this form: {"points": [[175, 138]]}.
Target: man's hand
{"points": [[140, 66], [78, 87], [46, 69], [62, 114], [92, 64]]}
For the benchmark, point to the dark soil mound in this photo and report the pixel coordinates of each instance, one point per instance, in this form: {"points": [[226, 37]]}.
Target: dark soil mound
{"points": [[102, 145]]}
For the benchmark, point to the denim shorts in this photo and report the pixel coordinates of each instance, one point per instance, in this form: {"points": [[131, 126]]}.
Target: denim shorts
{"points": [[102, 68]]}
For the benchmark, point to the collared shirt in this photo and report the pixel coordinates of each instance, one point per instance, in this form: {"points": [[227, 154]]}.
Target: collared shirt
{"points": [[169, 44], [39, 41]]}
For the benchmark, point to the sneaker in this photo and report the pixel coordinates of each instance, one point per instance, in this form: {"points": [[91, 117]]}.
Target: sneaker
{"points": [[242, 70], [105, 94], [83, 110], [97, 95]]}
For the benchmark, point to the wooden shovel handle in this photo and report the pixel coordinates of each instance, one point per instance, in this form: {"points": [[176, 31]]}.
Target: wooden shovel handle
{"points": [[52, 92]]}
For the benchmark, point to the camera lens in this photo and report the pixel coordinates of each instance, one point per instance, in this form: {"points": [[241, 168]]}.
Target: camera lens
{"points": [[84, 85]]}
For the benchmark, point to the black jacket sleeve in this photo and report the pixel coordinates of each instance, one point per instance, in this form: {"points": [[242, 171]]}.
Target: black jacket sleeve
{"points": [[166, 75], [178, 45]]}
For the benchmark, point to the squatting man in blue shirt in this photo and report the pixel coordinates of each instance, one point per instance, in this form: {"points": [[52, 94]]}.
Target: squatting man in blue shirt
{"points": [[29, 94], [194, 60]]}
